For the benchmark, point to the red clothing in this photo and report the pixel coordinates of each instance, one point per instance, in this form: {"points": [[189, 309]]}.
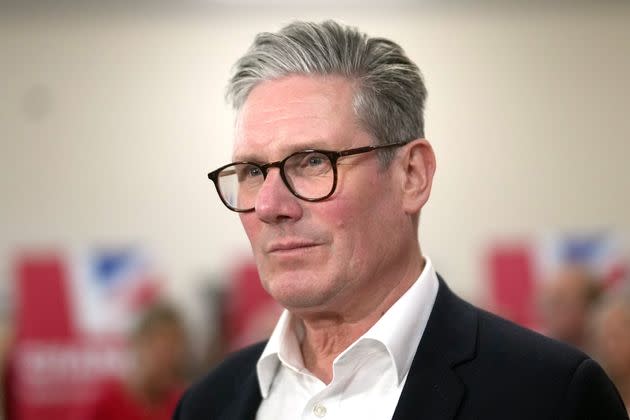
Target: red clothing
{"points": [[116, 402]]}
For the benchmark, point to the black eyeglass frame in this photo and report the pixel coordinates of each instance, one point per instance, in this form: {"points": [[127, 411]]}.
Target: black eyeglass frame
{"points": [[333, 156]]}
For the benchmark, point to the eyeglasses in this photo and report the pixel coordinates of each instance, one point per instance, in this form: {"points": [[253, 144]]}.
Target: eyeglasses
{"points": [[310, 175]]}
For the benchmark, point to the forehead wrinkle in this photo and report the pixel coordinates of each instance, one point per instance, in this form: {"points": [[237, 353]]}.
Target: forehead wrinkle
{"points": [[312, 107], [283, 112]]}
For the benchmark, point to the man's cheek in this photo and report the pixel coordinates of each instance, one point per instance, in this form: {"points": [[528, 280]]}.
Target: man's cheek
{"points": [[252, 230]]}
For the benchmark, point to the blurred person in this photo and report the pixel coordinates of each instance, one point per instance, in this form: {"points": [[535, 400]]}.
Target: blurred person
{"points": [[5, 337], [611, 331], [246, 313], [567, 299], [6, 344], [331, 170], [154, 384], [249, 313]]}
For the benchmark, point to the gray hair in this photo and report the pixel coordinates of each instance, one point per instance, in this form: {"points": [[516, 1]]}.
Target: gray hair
{"points": [[390, 95]]}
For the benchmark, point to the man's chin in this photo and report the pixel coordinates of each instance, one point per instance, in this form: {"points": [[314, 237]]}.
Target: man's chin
{"points": [[298, 295]]}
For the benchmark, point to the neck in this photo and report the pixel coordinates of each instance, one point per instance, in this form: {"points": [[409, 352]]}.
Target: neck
{"points": [[328, 334]]}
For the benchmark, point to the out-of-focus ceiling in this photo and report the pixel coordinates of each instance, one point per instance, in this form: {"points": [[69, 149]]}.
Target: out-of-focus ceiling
{"points": [[24, 8]]}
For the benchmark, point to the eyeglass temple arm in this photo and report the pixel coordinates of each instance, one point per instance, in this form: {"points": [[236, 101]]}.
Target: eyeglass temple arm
{"points": [[369, 148]]}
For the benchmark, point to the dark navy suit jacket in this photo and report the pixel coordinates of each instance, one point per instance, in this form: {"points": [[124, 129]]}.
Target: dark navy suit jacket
{"points": [[469, 365]]}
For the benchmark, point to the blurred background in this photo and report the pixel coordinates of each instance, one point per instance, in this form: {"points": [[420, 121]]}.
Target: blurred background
{"points": [[112, 113]]}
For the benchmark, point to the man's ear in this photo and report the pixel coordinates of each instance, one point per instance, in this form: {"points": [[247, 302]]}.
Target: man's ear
{"points": [[418, 165]]}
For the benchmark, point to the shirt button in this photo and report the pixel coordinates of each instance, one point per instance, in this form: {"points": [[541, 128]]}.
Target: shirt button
{"points": [[319, 410]]}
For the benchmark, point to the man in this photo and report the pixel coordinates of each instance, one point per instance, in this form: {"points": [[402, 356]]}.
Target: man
{"points": [[331, 172]]}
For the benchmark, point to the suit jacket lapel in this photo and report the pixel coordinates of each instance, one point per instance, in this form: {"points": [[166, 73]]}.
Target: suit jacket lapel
{"points": [[245, 407], [433, 390]]}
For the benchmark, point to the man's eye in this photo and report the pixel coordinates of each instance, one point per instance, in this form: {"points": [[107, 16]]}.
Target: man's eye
{"points": [[314, 160], [253, 171], [248, 172]]}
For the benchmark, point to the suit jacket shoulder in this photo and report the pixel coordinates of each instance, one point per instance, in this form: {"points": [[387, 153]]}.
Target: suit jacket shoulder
{"points": [[472, 364], [534, 374]]}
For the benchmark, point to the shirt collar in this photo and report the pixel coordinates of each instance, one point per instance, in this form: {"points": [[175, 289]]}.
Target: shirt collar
{"points": [[283, 346], [401, 327], [399, 330]]}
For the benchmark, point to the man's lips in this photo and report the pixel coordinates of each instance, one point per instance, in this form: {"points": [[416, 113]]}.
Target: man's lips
{"points": [[292, 245]]}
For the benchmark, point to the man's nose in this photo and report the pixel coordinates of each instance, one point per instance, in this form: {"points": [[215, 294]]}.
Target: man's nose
{"points": [[275, 203]]}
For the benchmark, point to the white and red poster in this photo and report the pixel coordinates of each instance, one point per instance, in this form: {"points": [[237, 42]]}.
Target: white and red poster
{"points": [[71, 315]]}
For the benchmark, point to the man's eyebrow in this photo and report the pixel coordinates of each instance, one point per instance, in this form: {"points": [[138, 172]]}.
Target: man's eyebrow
{"points": [[253, 156], [247, 157]]}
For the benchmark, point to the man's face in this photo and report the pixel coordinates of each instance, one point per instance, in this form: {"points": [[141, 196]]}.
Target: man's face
{"points": [[323, 255]]}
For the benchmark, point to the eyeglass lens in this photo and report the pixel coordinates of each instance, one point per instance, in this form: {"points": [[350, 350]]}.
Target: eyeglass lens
{"points": [[309, 175]]}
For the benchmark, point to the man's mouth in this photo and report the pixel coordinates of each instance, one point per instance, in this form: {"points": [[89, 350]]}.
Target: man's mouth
{"points": [[287, 246]]}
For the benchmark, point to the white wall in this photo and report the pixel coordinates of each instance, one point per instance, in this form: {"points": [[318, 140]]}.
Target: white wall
{"points": [[110, 120]]}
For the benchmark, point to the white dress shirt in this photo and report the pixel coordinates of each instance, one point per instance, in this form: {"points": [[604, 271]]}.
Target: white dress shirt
{"points": [[368, 377]]}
